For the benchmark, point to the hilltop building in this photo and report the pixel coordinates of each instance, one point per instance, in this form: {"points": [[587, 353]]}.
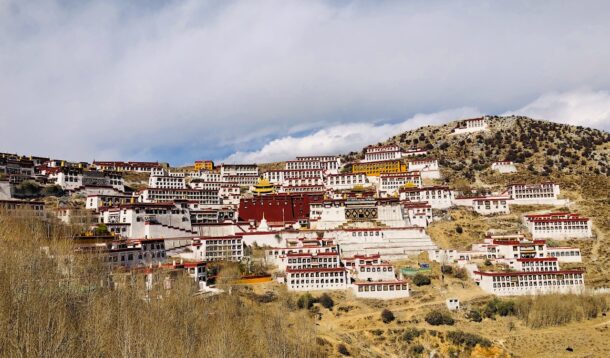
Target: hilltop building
{"points": [[504, 167], [471, 126]]}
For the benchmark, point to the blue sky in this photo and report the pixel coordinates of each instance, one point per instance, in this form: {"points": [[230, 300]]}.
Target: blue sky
{"points": [[267, 80]]}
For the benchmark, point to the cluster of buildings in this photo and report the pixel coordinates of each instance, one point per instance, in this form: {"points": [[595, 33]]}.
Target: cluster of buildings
{"points": [[513, 265], [324, 224]]}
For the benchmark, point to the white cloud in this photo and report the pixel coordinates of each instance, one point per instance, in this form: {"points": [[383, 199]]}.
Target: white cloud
{"points": [[192, 79], [582, 107], [340, 139]]}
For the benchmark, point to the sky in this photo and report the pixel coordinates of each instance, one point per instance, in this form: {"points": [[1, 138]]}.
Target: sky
{"points": [[261, 81]]}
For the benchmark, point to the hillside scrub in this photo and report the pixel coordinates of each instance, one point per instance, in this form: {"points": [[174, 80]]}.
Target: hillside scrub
{"points": [[437, 318], [538, 147], [421, 280], [55, 303], [387, 316]]}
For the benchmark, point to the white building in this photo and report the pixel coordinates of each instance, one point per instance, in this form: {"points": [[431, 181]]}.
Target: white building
{"points": [[331, 214], [527, 194], [390, 183], [504, 167], [311, 279], [419, 213], [504, 248], [427, 167], [381, 290], [205, 197], [206, 176], [470, 126], [559, 226], [439, 197], [564, 253], [530, 282], [209, 185], [241, 180], [369, 268], [220, 248], [166, 182], [138, 167], [278, 255], [73, 179], [135, 253], [346, 180], [303, 165], [491, 205], [300, 189], [314, 271], [382, 152], [239, 170], [453, 304], [94, 202]]}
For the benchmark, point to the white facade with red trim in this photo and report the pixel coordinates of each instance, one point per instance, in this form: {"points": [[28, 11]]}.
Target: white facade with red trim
{"points": [[471, 126], [381, 290], [535, 194], [491, 205], [558, 226], [530, 282]]}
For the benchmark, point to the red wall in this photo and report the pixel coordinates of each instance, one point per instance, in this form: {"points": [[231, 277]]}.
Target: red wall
{"points": [[295, 207]]}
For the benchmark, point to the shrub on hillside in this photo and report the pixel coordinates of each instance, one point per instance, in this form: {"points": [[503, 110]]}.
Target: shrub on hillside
{"points": [[326, 301], [416, 350], [342, 349], [459, 229], [468, 339], [446, 269], [474, 316], [306, 301], [500, 307], [460, 273], [387, 316], [411, 333], [437, 318], [52, 190], [421, 280]]}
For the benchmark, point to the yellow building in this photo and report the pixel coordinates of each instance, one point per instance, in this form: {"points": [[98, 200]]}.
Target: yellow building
{"points": [[204, 165], [376, 168], [263, 187]]}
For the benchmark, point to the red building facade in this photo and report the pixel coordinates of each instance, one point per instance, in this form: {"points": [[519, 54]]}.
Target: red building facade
{"points": [[281, 207]]}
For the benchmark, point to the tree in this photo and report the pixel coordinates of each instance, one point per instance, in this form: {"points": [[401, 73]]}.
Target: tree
{"points": [[421, 280], [52, 190], [387, 316], [326, 301], [459, 229], [101, 230]]}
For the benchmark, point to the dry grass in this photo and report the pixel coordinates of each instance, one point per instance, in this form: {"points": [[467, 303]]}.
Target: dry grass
{"points": [[53, 304], [556, 310]]}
